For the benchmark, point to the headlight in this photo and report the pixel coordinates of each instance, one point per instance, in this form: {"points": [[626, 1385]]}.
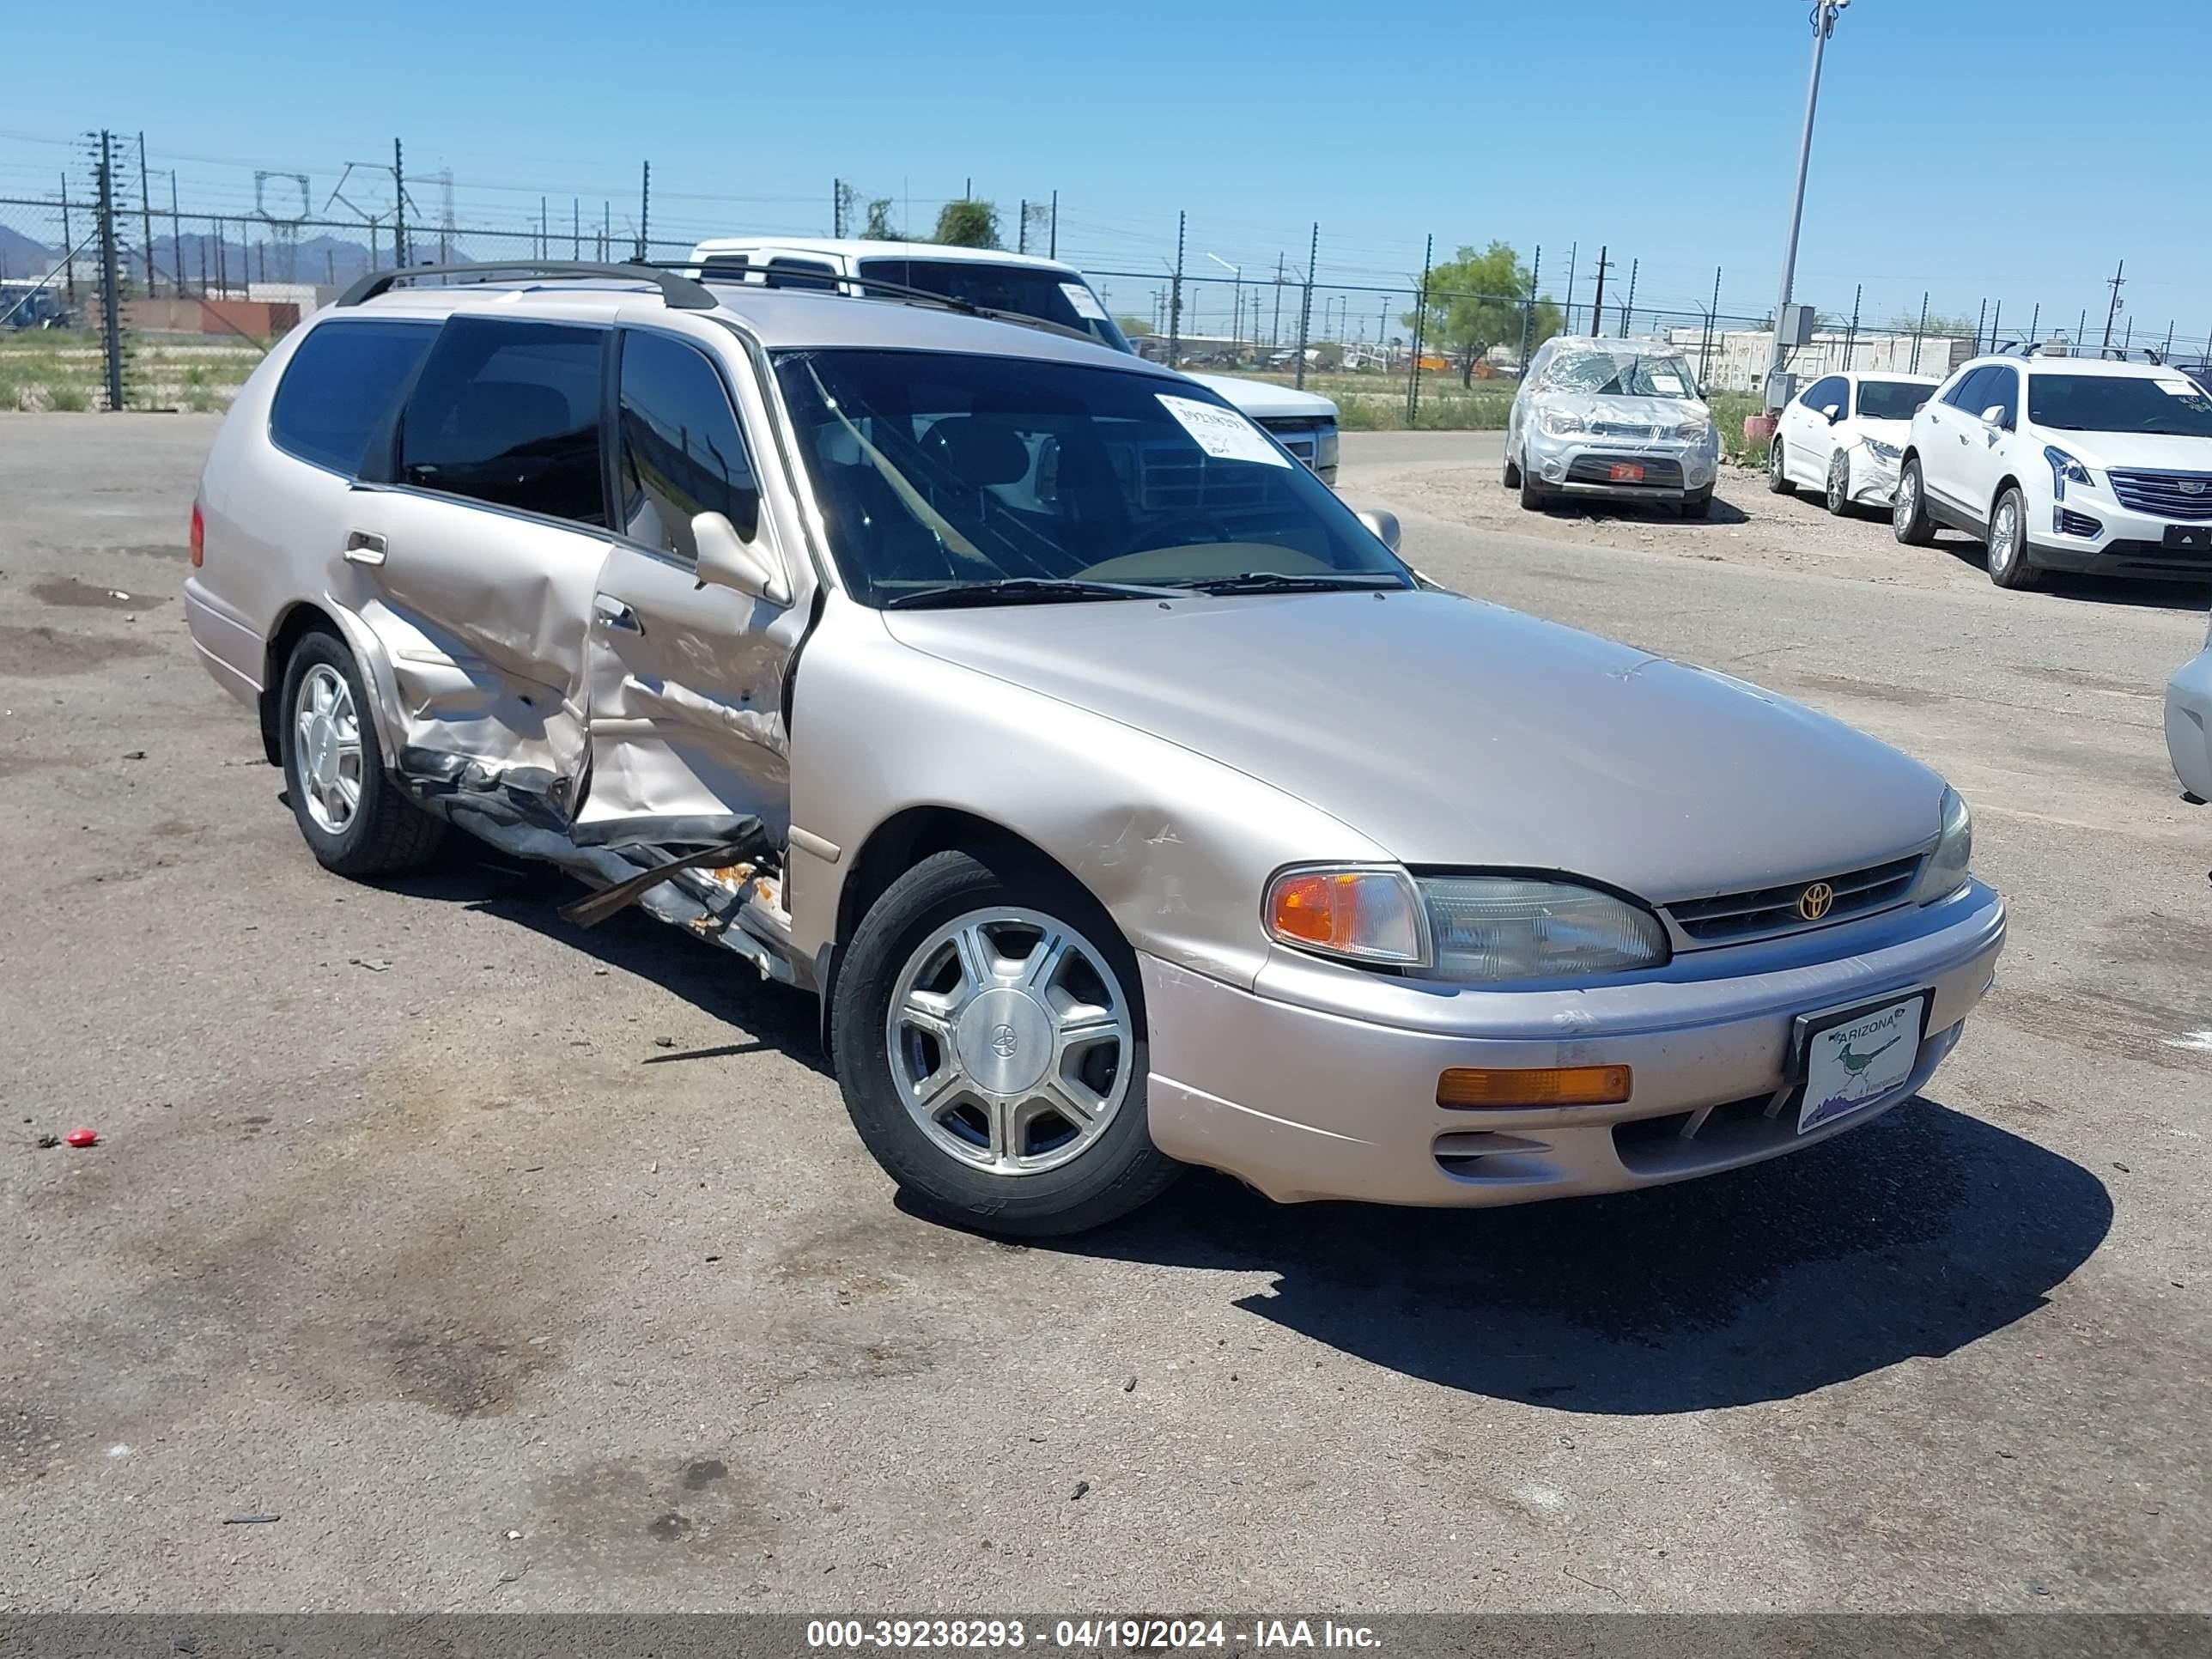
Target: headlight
{"points": [[1948, 865], [1488, 930], [1562, 422], [1363, 912], [2065, 470], [1325, 448], [1692, 431], [1890, 453]]}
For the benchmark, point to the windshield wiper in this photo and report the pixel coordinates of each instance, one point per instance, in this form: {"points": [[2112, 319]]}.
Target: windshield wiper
{"points": [[1024, 589], [1277, 581]]}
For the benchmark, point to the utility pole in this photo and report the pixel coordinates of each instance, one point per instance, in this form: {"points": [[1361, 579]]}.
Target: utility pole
{"points": [[1712, 335], [1275, 334], [1917, 332], [545, 232], [1851, 338], [1597, 305], [1997, 322], [1175, 297], [1306, 305], [1022, 235], [1572, 248], [2115, 282], [146, 213], [1825, 13], [1981, 317], [644, 208], [398, 207], [176, 237], [1053, 250], [1528, 305], [575, 228], [1628, 315], [111, 276], [1420, 330], [68, 243]]}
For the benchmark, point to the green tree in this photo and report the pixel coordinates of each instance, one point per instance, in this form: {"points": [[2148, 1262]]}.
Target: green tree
{"points": [[1476, 301], [1135, 327], [967, 224], [879, 227]]}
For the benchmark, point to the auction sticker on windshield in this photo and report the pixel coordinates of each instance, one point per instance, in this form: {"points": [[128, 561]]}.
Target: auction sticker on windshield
{"points": [[1222, 432], [1858, 1056], [1084, 302]]}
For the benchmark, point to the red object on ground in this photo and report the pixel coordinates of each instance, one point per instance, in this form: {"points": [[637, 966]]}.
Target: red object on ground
{"points": [[1759, 426], [82, 1138]]}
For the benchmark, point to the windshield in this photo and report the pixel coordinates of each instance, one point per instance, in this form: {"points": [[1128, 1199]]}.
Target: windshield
{"points": [[1057, 297], [938, 471], [1891, 400], [2170, 405], [1623, 374]]}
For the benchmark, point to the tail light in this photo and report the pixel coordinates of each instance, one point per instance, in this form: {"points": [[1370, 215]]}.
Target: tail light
{"points": [[199, 537]]}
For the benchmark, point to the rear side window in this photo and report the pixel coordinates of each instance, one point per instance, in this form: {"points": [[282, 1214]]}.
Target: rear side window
{"points": [[1967, 394], [681, 452], [340, 386], [508, 413], [1832, 390]]}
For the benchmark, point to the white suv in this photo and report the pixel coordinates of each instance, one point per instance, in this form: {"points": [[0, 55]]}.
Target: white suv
{"points": [[1301, 422], [2064, 464]]}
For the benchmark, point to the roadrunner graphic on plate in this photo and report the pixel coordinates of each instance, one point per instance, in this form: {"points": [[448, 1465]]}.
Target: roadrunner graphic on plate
{"points": [[1861, 1059]]}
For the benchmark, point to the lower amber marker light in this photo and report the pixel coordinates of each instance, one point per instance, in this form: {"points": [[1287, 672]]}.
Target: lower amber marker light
{"points": [[1544, 1085]]}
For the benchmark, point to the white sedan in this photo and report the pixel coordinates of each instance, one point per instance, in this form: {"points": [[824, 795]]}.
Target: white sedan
{"points": [[1842, 437]]}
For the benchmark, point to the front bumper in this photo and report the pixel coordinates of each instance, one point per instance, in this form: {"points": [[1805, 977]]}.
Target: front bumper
{"points": [[2126, 542], [2188, 724], [1872, 478], [1582, 465], [1321, 1083]]}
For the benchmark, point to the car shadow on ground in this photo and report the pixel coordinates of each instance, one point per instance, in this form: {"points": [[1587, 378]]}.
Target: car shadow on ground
{"points": [[718, 983], [1721, 513], [2104, 590], [1915, 1236]]}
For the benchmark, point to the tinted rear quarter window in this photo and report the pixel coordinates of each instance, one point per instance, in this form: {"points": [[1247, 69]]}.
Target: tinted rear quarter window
{"points": [[508, 413], [340, 386]]}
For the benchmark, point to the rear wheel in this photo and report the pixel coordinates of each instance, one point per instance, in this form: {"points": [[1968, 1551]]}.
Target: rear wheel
{"points": [[355, 820], [1839, 484], [1777, 479], [989, 1039], [1908, 513], [2007, 541]]}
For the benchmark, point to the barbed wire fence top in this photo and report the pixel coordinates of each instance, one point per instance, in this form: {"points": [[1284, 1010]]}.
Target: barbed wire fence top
{"points": [[129, 277]]}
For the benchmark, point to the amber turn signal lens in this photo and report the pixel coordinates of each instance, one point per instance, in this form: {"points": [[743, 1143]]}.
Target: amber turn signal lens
{"points": [[1546, 1086], [1321, 908]]}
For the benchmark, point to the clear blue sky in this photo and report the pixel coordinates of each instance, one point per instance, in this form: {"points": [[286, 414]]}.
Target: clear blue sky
{"points": [[2011, 149]]}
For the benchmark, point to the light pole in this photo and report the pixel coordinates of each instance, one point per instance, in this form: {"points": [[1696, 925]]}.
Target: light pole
{"points": [[1824, 16], [1235, 327]]}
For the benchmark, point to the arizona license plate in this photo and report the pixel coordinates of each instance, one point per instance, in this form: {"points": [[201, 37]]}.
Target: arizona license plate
{"points": [[1626, 472], [1859, 1055]]}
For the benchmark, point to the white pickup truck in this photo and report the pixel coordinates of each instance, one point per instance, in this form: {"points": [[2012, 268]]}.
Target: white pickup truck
{"points": [[1304, 424]]}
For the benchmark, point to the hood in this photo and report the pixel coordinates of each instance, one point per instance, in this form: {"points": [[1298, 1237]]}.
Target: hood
{"points": [[1892, 433], [1454, 732], [1665, 413], [2133, 451], [1264, 401]]}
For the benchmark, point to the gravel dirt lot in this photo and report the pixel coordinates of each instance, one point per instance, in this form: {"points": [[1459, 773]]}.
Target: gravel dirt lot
{"points": [[515, 1267]]}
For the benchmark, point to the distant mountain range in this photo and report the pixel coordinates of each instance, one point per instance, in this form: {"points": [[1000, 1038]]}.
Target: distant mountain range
{"points": [[322, 258]]}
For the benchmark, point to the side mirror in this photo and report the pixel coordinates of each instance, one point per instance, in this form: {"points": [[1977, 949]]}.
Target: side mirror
{"points": [[1833, 411], [1382, 526], [728, 560], [1993, 417]]}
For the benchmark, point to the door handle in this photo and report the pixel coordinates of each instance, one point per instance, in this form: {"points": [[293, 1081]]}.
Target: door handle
{"points": [[364, 547], [616, 615]]}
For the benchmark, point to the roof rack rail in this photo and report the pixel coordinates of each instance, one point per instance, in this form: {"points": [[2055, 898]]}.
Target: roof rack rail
{"points": [[868, 288], [680, 293]]}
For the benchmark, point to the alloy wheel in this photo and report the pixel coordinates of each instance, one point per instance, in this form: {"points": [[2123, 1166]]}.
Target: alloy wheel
{"points": [[1011, 1040], [327, 726]]}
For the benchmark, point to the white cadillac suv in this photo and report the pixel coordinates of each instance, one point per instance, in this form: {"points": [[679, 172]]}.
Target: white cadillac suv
{"points": [[2062, 463]]}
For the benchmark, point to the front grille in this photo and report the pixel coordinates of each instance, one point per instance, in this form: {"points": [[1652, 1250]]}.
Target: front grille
{"points": [[1660, 471], [2066, 522], [1772, 911], [2169, 494], [1625, 429]]}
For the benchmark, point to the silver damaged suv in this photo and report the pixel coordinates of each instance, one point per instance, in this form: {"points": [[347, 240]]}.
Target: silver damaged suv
{"points": [[1124, 798]]}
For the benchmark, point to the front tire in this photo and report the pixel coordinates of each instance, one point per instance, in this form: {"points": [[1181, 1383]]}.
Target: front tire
{"points": [[1512, 471], [989, 1034], [1535, 498], [1908, 513], [1839, 484], [2007, 541], [1699, 505], [355, 819], [1777, 479]]}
